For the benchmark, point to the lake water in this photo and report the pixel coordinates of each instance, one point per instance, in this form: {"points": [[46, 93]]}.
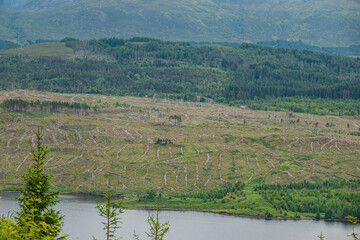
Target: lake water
{"points": [[82, 222]]}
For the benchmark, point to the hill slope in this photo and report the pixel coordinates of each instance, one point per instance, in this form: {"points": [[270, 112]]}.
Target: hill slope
{"points": [[323, 23], [135, 143], [149, 67], [136, 147]]}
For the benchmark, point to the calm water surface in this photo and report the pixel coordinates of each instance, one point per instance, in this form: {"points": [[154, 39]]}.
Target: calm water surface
{"points": [[82, 222]]}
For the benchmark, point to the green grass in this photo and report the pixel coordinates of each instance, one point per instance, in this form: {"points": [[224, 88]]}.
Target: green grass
{"points": [[52, 49]]}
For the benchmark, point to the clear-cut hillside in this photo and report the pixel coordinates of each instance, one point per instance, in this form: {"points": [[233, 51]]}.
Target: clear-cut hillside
{"points": [[134, 143]]}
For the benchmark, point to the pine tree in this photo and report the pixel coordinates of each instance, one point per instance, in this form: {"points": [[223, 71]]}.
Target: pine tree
{"points": [[157, 229], [353, 221], [321, 236], [36, 218], [111, 215]]}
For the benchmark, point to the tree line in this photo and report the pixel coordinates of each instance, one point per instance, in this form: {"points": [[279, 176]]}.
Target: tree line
{"points": [[320, 106], [44, 106]]}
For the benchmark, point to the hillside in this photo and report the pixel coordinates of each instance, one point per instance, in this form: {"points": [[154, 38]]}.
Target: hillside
{"points": [[176, 70], [211, 144], [321, 23], [6, 32], [175, 145], [133, 144]]}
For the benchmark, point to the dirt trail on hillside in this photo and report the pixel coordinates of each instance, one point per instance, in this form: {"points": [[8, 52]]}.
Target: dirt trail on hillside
{"points": [[22, 138]]}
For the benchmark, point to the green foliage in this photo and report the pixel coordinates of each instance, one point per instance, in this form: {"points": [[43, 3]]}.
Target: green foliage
{"points": [[353, 50], [35, 226], [302, 80], [234, 152], [353, 221], [148, 195], [69, 39], [111, 215], [319, 106], [36, 218], [321, 236], [8, 229], [218, 193], [157, 229], [163, 142], [328, 197], [230, 138]]}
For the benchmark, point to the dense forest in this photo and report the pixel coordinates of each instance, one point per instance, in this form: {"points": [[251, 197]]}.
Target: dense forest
{"points": [[149, 67], [330, 199], [319, 106], [334, 198], [352, 50]]}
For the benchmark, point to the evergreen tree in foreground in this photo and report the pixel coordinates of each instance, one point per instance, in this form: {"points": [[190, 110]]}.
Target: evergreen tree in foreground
{"points": [[158, 230], [111, 215], [353, 221], [37, 219]]}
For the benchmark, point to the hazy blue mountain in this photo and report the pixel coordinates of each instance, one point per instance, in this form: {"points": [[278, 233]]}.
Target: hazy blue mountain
{"points": [[11, 3], [42, 4], [320, 23]]}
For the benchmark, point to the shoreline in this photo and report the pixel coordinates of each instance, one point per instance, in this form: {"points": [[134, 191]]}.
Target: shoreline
{"points": [[238, 215], [199, 211]]}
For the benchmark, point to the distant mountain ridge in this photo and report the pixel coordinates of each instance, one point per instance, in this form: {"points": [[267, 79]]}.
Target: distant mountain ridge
{"points": [[320, 23], [42, 4]]}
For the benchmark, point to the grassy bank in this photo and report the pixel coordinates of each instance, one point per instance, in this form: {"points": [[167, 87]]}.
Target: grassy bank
{"points": [[329, 200]]}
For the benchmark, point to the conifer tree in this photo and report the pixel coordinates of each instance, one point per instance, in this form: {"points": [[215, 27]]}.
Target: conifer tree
{"points": [[353, 221], [37, 219], [111, 215], [321, 236], [158, 230]]}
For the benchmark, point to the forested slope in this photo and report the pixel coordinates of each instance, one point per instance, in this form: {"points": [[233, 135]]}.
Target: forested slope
{"points": [[149, 67]]}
